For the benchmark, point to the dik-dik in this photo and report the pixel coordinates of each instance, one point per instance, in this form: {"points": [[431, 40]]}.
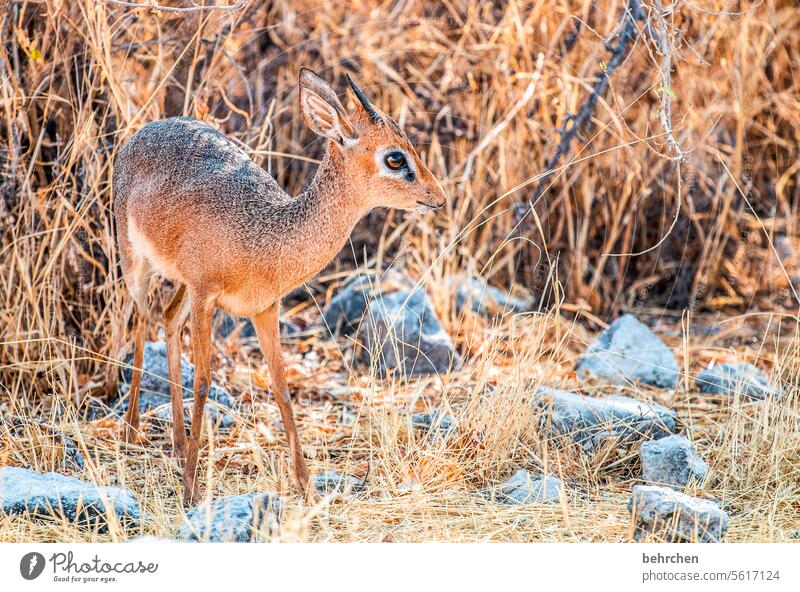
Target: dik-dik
{"points": [[192, 207]]}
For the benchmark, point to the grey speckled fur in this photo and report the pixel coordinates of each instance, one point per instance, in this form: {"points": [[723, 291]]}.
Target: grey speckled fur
{"points": [[192, 163]]}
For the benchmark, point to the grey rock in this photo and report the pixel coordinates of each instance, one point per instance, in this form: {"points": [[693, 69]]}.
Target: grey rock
{"points": [[732, 379], [225, 325], [72, 455], [233, 519], [524, 488], [483, 298], [435, 424], [703, 330], [346, 309], [344, 312], [18, 426], [675, 516], [590, 421], [218, 415], [628, 351], [55, 495], [402, 333], [154, 391], [333, 482], [671, 461]]}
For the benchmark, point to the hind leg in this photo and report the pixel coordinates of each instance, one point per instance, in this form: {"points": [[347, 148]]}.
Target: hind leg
{"points": [[138, 284], [175, 314]]}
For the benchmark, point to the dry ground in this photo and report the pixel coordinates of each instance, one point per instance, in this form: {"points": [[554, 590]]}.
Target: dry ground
{"points": [[419, 490]]}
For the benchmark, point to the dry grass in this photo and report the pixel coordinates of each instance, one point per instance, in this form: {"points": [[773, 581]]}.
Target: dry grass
{"points": [[78, 78], [422, 490]]}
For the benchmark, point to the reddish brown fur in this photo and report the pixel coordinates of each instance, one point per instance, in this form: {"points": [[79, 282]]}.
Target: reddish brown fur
{"points": [[192, 207]]}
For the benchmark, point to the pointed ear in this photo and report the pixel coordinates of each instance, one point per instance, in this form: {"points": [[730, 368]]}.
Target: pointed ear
{"points": [[322, 111]]}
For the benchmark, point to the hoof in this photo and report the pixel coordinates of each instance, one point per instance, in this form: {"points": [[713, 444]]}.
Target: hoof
{"points": [[309, 490], [191, 496], [130, 435], [192, 493], [312, 498]]}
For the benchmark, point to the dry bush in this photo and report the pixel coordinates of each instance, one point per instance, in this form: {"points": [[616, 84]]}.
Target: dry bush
{"points": [[717, 230], [80, 77]]}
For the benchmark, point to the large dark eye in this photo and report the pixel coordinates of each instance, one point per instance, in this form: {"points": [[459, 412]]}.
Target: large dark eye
{"points": [[395, 161]]}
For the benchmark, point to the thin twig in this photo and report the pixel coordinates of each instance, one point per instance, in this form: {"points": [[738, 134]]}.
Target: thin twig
{"points": [[660, 34], [159, 8], [575, 31], [512, 113]]}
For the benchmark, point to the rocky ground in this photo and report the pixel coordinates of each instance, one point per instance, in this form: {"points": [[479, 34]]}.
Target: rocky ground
{"points": [[452, 413]]}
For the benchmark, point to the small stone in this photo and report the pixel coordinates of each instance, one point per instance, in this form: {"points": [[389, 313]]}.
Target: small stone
{"points": [[675, 516], [55, 495], [733, 379], [346, 309], [628, 351], [72, 455], [154, 390], [233, 519], [671, 461], [524, 488], [483, 298], [225, 325], [590, 422], [217, 414], [333, 482], [435, 424], [402, 333], [18, 426]]}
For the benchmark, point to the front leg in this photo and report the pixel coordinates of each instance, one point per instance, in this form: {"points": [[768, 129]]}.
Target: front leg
{"points": [[202, 309], [269, 337]]}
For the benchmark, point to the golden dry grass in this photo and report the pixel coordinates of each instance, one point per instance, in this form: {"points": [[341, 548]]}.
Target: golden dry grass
{"points": [[78, 78], [423, 490]]}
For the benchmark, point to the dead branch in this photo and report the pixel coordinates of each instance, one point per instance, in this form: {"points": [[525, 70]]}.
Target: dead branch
{"points": [[619, 53]]}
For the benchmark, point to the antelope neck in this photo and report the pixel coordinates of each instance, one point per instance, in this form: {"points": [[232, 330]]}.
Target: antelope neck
{"points": [[322, 216]]}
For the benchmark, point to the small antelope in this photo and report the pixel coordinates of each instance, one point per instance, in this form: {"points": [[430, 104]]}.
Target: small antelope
{"points": [[191, 206]]}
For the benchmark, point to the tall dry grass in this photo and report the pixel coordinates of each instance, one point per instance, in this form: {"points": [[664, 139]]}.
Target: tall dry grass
{"points": [[485, 89]]}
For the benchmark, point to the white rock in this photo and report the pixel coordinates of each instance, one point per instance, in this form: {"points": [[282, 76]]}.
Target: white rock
{"points": [[676, 516], [524, 488], [628, 351]]}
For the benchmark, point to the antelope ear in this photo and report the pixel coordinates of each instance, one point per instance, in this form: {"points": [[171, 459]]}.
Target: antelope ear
{"points": [[323, 112]]}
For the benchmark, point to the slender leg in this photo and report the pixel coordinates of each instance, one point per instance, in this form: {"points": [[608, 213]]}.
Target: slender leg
{"points": [[202, 309], [175, 314], [269, 337], [132, 415]]}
